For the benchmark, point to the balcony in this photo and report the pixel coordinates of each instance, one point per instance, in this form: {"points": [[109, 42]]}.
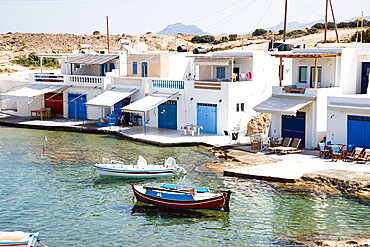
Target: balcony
{"points": [[170, 84], [305, 92], [75, 80]]}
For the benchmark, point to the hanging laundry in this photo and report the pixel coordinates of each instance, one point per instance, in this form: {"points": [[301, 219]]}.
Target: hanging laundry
{"points": [[249, 76]]}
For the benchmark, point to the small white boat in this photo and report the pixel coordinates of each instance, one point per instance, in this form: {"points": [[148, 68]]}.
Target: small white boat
{"points": [[140, 170], [18, 239]]}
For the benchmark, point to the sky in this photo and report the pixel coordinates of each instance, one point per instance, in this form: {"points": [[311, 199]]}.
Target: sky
{"points": [[141, 16]]}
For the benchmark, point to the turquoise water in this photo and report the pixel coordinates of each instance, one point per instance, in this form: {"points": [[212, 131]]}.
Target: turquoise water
{"points": [[50, 188]]}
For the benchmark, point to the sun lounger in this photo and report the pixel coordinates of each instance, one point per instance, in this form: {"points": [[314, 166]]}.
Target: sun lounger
{"points": [[364, 157], [354, 155], [286, 143], [292, 149]]}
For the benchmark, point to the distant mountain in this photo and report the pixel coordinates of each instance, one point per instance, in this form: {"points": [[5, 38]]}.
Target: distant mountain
{"points": [[223, 34], [293, 25], [181, 28]]}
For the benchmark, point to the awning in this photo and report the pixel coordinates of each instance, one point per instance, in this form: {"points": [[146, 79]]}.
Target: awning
{"points": [[283, 105], [349, 107], [91, 59], [111, 97], [212, 62], [31, 91], [149, 102]]}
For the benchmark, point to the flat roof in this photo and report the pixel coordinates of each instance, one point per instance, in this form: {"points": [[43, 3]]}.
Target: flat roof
{"points": [[309, 53], [91, 59]]}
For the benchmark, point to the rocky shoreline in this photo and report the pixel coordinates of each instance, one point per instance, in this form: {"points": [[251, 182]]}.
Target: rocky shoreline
{"points": [[355, 185]]}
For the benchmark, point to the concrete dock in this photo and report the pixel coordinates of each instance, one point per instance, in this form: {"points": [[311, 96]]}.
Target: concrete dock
{"points": [[291, 167], [155, 136]]}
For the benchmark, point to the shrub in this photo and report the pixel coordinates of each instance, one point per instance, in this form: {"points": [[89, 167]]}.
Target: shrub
{"points": [[295, 33], [312, 30], [33, 60], [259, 31], [365, 36], [203, 39], [232, 37]]}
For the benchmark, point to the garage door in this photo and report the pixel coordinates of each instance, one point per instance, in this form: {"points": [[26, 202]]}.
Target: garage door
{"points": [[55, 103], [167, 115], [207, 117], [77, 106], [358, 131], [294, 127]]}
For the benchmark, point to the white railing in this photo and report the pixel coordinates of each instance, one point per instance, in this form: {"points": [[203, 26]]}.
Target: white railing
{"points": [[86, 79], [171, 84]]}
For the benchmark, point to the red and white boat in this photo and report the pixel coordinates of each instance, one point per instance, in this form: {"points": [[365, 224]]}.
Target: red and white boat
{"points": [[172, 196], [18, 239]]}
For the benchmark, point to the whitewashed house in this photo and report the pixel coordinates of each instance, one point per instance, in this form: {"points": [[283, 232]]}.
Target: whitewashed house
{"points": [[82, 79], [299, 105], [207, 95]]}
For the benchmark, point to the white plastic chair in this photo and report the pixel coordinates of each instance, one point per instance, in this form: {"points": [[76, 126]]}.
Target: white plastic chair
{"points": [[265, 143]]}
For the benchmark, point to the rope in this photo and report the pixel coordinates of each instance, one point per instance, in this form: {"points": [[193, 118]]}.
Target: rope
{"points": [[39, 241]]}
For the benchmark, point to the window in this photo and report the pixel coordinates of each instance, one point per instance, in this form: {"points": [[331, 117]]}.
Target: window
{"points": [[237, 107], [303, 74], [319, 73], [220, 73], [242, 107], [134, 68]]}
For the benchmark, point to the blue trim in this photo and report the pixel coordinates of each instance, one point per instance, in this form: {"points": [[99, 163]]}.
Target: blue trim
{"points": [[134, 68]]}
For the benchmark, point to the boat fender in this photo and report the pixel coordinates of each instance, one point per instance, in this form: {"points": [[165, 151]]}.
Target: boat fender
{"points": [[159, 195]]}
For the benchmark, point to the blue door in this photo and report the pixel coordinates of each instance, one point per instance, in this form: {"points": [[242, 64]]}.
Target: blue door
{"points": [[294, 127], [358, 131], [207, 117], [104, 69], [77, 106], [167, 115], [365, 76], [144, 69]]}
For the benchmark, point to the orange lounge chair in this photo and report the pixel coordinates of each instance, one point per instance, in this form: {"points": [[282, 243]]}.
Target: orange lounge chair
{"points": [[354, 155], [364, 157]]}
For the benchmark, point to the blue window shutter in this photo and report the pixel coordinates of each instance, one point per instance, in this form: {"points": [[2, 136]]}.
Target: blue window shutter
{"points": [[303, 74], [134, 68], [220, 73]]}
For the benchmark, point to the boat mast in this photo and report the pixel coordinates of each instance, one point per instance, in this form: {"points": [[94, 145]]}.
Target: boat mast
{"points": [[326, 20], [335, 25]]}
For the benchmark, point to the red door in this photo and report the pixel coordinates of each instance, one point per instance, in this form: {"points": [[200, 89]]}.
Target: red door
{"points": [[55, 102]]}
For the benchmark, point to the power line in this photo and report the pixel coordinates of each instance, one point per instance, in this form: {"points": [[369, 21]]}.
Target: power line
{"points": [[308, 7], [263, 15], [230, 17]]}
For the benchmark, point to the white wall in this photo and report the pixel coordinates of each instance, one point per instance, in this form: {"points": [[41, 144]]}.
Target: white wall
{"points": [[180, 66]]}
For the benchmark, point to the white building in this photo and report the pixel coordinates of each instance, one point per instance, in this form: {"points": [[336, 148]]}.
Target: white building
{"points": [[209, 97], [299, 105]]}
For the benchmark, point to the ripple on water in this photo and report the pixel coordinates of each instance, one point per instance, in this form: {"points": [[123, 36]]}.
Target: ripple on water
{"points": [[51, 188]]}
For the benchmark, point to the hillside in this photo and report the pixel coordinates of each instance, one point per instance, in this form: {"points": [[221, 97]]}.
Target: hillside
{"points": [[21, 44]]}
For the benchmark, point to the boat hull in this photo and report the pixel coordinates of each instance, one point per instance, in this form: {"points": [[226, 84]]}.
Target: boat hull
{"points": [[136, 173], [17, 239], [214, 203]]}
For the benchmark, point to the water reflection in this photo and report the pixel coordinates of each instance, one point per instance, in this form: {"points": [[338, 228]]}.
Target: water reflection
{"points": [[168, 216]]}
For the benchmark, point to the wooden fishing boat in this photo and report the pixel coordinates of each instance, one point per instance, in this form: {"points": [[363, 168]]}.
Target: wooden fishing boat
{"points": [[18, 239], [140, 170], [182, 197]]}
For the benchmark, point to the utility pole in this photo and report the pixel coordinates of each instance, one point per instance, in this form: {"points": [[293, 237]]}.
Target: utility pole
{"points": [[285, 17], [326, 20], [362, 24], [335, 25], [108, 33]]}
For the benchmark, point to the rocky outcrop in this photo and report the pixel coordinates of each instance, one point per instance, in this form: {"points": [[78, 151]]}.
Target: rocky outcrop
{"points": [[349, 183]]}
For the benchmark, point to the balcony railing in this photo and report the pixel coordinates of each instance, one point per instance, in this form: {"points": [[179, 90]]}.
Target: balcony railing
{"points": [[86, 79], [171, 84]]}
